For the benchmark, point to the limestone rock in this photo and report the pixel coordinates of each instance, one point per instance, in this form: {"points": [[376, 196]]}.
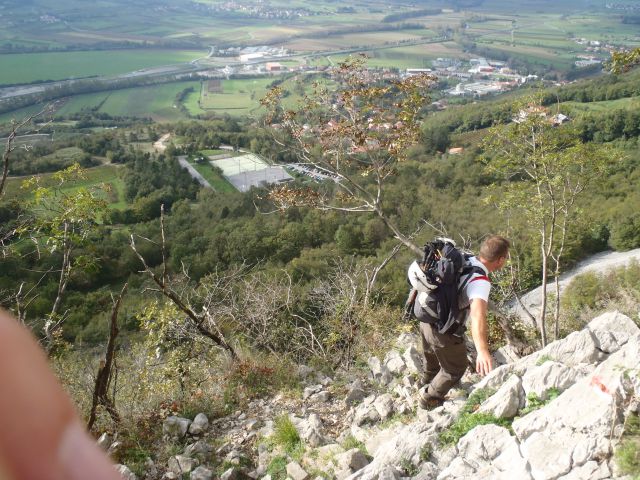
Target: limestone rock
{"points": [[384, 405], [538, 380], [201, 473], [406, 340], [176, 426], [394, 362], [234, 473], [199, 425], [352, 460], [320, 397], [428, 471], [180, 464], [296, 472], [590, 470], [612, 330], [413, 359], [506, 402], [379, 371], [125, 472], [104, 442], [505, 355], [355, 394], [577, 347], [311, 390], [487, 451]]}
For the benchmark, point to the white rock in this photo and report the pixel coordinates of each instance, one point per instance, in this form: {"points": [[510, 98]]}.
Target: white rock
{"points": [[310, 391], [384, 405], [506, 402], [198, 448], [487, 451], [125, 472], [577, 347], [320, 397], [394, 362], [428, 471], [413, 360], [406, 340], [201, 473], [612, 330], [296, 472], [199, 424], [104, 442], [176, 426], [506, 354], [180, 464], [352, 460], [538, 380], [590, 471]]}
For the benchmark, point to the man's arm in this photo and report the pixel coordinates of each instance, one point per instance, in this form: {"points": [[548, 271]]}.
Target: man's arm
{"points": [[479, 331]]}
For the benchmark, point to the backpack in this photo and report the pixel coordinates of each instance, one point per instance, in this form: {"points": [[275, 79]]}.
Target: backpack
{"points": [[438, 276]]}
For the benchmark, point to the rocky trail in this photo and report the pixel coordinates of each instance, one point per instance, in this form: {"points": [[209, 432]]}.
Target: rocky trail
{"points": [[557, 414]]}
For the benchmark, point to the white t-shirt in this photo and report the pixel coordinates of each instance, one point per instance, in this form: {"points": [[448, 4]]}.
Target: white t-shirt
{"points": [[478, 286]]}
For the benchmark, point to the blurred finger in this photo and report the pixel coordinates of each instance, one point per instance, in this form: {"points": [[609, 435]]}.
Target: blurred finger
{"points": [[41, 437]]}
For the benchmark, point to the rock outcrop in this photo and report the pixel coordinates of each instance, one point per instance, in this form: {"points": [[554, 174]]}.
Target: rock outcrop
{"points": [[553, 415]]}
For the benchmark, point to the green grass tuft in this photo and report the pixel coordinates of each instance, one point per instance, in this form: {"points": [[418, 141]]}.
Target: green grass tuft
{"points": [[286, 435]]}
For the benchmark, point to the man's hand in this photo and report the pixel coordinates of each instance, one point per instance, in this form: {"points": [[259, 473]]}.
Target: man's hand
{"points": [[483, 363], [478, 314]]}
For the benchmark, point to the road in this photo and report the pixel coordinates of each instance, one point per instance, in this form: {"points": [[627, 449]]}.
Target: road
{"points": [[598, 263], [194, 173]]}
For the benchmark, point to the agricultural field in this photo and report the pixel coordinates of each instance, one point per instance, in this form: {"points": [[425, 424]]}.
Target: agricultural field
{"points": [[156, 101], [629, 103], [104, 176], [30, 67]]}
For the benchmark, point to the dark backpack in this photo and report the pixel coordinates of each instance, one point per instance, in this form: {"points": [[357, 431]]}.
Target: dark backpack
{"points": [[442, 268]]}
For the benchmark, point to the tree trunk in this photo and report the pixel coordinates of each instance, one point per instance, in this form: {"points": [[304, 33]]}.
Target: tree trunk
{"points": [[100, 391]]}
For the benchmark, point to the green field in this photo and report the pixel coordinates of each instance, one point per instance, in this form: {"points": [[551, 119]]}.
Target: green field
{"points": [[156, 101], [104, 175], [29, 67], [606, 105]]}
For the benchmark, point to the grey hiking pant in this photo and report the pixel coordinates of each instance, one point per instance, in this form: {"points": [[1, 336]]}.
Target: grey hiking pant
{"points": [[446, 360]]}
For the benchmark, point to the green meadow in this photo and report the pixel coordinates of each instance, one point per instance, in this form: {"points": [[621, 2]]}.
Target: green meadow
{"points": [[104, 176], [29, 67]]}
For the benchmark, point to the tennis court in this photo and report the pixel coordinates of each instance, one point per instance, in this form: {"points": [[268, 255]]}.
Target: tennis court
{"points": [[249, 170], [240, 164]]}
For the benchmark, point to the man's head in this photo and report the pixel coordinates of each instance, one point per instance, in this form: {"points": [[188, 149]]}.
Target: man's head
{"points": [[494, 252]]}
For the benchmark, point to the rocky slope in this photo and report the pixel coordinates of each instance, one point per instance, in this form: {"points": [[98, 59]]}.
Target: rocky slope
{"points": [[555, 414]]}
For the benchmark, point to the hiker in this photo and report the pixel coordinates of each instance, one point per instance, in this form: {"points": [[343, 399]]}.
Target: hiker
{"points": [[445, 353]]}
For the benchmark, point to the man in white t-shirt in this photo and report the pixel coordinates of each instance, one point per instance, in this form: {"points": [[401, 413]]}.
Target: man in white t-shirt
{"points": [[445, 354]]}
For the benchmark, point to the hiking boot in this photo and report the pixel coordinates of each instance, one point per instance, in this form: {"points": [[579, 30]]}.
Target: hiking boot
{"points": [[425, 380], [429, 403]]}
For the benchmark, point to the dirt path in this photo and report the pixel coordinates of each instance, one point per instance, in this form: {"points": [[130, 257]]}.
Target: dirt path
{"points": [[160, 145], [598, 263]]}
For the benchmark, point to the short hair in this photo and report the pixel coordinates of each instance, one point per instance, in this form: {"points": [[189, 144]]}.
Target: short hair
{"points": [[494, 247]]}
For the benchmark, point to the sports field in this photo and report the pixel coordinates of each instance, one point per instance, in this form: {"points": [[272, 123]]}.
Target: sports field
{"points": [[249, 170], [240, 164]]}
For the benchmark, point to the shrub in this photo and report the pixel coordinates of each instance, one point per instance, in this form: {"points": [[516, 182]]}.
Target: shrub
{"points": [[469, 419], [627, 455], [351, 442], [534, 402]]}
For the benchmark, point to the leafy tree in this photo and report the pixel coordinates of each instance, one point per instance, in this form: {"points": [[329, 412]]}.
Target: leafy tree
{"points": [[62, 219], [545, 168], [357, 133]]}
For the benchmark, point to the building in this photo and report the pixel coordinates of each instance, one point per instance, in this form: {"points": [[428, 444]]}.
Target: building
{"points": [[251, 57], [274, 67]]}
